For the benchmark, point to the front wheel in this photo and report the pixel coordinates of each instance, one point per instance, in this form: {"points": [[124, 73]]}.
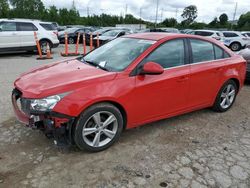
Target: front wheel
{"points": [[98, 127], [226, 97]]}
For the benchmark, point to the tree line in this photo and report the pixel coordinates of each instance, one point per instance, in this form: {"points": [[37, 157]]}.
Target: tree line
{"points": [[35, 9]]}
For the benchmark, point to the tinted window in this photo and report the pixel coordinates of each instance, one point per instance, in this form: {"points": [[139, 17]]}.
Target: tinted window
{"points": [[202, 50], [203, 33], [48, 27], [26, 27], [170, 54], [219, 53], [230, 35], [8, 26]]}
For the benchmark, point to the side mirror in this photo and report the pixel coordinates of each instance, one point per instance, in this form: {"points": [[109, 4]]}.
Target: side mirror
{"points": [[151, 68]]}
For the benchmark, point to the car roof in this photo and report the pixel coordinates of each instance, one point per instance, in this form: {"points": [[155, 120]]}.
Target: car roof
{"points": [[232, 32], [207, 30], [24, 20]]}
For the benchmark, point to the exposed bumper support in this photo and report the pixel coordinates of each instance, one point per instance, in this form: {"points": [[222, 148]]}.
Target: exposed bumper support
{"points": [[54, 125]]}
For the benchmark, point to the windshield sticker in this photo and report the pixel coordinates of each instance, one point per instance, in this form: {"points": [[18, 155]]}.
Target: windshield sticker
{"points": [[146, 41], [103, 63]]}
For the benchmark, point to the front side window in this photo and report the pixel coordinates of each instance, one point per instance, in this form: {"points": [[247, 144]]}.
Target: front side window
{"points": [[202, 50], [26, 27], [7, 26], [170, 54], [117, 54]]}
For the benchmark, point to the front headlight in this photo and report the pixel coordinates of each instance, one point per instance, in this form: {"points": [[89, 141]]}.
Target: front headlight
{"points": [[47, 103]]}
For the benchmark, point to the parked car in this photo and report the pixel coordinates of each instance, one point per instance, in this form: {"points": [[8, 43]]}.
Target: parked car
{"points": [[99, 32], [246, 33], [108, 36], [73, 34], [170, 30], [130, 81], [167, 30], [246, 55], [18, 35], [209, 33], [235, 40]]}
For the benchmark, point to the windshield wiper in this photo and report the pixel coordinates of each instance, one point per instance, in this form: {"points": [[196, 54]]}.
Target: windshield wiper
{"points": [[96, 65]]}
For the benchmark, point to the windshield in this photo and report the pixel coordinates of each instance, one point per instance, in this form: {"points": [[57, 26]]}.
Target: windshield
{"points": [[71, 29], [112, 33], [118, 54]]}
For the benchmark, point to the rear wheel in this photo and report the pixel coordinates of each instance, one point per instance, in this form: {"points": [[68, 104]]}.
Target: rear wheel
{"points": [[226, 97], [98, 127], [235, 46]]}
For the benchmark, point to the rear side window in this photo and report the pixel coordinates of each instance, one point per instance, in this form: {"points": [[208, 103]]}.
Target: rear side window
{"points": [[8, 26], [230, 34], [26, 27], [48, 27], [203, 33], [170, 54], [202, 50], [219, 53]]}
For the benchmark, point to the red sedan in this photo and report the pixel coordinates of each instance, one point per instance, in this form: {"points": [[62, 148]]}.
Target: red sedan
{"points": [[130, 81]]}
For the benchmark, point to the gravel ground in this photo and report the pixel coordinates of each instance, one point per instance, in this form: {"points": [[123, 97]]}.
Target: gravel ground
{"points": [[199, 149]]}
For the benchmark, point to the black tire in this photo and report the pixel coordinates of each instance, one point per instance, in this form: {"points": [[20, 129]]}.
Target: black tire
{"points": [[43, 46], [84, 119], [218, 107], [71, 40], [235, 46]]}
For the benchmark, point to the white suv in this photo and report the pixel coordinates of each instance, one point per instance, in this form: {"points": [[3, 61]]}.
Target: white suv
{"points": [[235, 40], [18, 35]]}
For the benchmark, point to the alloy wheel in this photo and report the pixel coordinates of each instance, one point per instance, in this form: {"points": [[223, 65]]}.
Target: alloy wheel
{"points": [[100, 129], [227, 96], [71, 41], [235, 47]]}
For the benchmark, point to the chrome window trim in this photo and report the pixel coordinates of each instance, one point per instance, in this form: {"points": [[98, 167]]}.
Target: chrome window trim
{"points": [[202, 62]]}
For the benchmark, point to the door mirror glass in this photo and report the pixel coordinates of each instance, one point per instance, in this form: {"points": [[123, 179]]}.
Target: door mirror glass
{"points": [[151, 68]]}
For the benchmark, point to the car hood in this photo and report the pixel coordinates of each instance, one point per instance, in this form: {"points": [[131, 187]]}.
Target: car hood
{"points": [[60, 77]]}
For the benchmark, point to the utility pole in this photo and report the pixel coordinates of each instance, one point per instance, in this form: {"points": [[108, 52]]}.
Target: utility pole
{"points": [[126, 9], [235, 10], [176, 14], [161, 14], [156, 16], [140, 18], [88, 11]]}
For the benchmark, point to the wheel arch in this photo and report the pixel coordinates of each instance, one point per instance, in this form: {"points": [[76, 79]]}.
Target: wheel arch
{"points": [[46, 39], [237, 82], [120, 107]]}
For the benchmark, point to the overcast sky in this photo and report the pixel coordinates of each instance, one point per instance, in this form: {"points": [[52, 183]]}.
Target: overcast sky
{"points": [[207, 9]]}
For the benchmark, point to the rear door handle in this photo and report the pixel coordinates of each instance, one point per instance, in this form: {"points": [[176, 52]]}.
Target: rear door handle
{"points": [[182, 79]]}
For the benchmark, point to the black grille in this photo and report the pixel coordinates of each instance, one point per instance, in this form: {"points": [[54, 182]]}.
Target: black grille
{"points": [[25, 105]]}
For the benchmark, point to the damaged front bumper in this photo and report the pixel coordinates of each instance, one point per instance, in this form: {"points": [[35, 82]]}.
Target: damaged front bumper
{"points": [[54, 125]]}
